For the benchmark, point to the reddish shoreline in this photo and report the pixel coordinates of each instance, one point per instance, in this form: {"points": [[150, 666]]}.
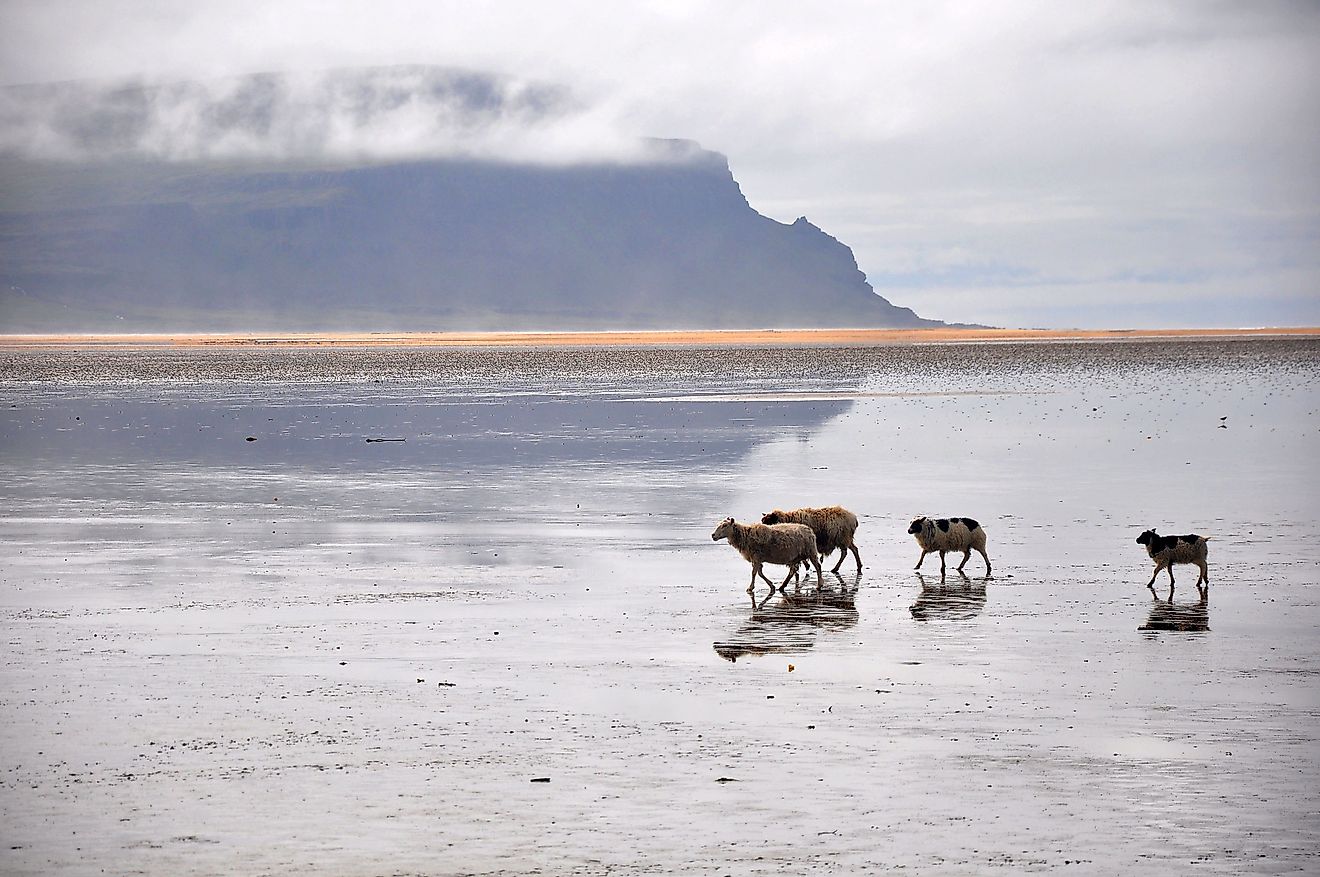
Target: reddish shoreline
{"points": [[712, 338]]}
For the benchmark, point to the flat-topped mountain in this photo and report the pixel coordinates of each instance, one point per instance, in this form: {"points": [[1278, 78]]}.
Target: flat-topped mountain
{"points": [[662, 239]]}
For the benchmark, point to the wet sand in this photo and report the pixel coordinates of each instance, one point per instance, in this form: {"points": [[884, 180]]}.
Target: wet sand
{"points": [[507, 644]]}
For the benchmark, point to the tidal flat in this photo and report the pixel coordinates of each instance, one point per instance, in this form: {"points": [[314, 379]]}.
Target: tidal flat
{"points": [[416, 610]]}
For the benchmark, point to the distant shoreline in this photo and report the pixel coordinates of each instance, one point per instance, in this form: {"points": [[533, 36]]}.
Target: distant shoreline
{"points": [[693, 338]]}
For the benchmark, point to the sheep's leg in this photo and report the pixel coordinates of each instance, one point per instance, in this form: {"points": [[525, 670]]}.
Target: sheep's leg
{"points": [[843, 555], [924, 552], [752, 586], [857, 557], [967, 555], [942, 567], [792, 574], [1155, 575], [1205, 574], [986, 558], [820, 580], [761, 572]]}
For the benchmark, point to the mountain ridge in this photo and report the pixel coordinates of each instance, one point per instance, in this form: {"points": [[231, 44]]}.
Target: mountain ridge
{"points": [[430, 244]]}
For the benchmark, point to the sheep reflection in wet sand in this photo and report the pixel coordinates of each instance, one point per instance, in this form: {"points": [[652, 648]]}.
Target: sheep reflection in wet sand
{"points": [[959, 600], [789, 623], [1179, 617]]}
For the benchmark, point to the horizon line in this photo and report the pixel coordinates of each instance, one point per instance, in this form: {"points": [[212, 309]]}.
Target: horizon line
{"points": [[641, 337]]}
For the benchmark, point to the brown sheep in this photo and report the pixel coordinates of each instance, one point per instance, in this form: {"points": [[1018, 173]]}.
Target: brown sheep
{"points": [[834, 527], [785, 544]]}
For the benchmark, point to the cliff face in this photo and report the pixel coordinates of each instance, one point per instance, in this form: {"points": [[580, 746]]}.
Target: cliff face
{"points": [[137, 245]]}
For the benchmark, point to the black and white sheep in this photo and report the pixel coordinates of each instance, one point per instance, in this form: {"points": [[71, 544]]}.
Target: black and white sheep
{"points": [[949, 534], [1168, 550], [834, 527], [785, 544]]}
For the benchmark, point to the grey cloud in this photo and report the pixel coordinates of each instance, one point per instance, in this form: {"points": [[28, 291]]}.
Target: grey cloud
{"points": [[362, 114]]}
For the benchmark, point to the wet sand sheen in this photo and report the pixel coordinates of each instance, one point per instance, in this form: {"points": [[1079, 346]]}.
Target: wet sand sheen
{"points": [[507, 644]]}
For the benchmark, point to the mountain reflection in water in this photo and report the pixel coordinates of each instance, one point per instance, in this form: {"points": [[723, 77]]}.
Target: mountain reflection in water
{"points": [[956, 600], [445, 411], [1184, 617], [788, 622]]}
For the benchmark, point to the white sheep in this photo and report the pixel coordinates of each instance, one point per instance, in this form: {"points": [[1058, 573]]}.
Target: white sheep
{"points": [[949, 534], [834, 527], [1168, 550], [785, 544]]}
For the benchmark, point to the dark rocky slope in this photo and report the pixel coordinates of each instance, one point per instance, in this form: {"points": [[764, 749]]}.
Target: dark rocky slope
{"points": [[666, 242]]}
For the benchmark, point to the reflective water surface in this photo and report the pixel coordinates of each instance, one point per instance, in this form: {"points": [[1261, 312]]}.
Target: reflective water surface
{"points": [[955, 598], [787, 621], [1183, 617], [241, 636]]}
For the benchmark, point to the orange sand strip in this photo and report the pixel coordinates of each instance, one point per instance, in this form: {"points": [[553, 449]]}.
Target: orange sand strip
{"points": [[702, 338]]}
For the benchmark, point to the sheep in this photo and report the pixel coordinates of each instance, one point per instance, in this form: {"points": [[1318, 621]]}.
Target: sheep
{"points": [[785, 544], [949, 534], [834, 528], [1168, 550]]}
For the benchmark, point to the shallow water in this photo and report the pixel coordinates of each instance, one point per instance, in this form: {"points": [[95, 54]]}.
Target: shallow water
{"points": [[310, 652]]}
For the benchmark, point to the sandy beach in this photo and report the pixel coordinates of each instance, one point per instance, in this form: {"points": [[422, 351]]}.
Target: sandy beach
{"points": [[738, 338], [245, 634]]}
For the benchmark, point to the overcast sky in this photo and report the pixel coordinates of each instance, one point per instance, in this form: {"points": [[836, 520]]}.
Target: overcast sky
{"points": [[1013, 163]]}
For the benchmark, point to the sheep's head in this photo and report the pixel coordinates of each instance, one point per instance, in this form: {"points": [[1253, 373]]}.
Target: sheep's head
{"points": [[917, 525], [1147, 537], [775, 517], [723, 530]]}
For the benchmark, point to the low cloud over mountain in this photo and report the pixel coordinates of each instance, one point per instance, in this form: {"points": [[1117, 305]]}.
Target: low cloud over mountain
{"points": [[403, 198], [374, 114]]}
